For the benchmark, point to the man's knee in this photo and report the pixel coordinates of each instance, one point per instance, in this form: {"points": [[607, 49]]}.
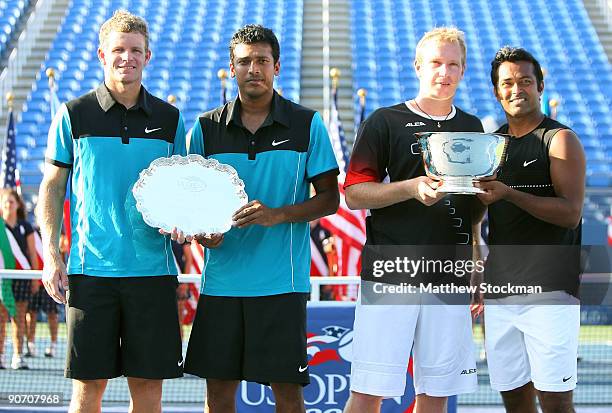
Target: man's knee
{"points": [[521, 399], [430, 404], [289, 397], [361, 402], [557, 402], [87, 395], [145, 388], [221, 395], [145, 394]]}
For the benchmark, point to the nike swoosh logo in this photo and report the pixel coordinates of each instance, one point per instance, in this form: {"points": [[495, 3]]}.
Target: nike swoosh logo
{"points": [[274, 143], [180, 363], [564, 379], [528, 163], [147, 130], [302, 369]]}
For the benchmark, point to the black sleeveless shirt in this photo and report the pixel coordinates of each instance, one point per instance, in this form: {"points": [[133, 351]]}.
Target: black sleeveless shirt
{"points": [[542, 254]]}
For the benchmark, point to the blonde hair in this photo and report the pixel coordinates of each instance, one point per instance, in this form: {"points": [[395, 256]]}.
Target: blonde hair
{"points": [[442, 35], [123, 21]]}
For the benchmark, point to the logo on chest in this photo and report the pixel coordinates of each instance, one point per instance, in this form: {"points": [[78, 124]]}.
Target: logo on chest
{"points": [[414, 124]]}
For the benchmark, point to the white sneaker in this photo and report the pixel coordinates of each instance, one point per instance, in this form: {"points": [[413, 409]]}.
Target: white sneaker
{"points": [[31, 350], [18, 364], [50, 351]]}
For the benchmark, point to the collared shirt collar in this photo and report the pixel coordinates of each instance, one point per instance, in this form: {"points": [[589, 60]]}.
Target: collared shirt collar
{"points": [[279, 112], [106, 100]]}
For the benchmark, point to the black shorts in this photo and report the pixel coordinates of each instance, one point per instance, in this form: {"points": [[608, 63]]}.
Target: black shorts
{"points": [[42, 301], [123, 326], [22, 290], [259, 339]]}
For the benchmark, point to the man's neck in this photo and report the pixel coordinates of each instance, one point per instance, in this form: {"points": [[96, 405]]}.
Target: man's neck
{"points": [[127, 95], [434, 107], [521, 126], [253, 113], [256, 107]]}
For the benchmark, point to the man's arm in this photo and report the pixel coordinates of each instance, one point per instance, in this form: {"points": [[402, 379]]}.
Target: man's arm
{"points": [[325, 202], [49, 211], [567, 171], [374, 195]]}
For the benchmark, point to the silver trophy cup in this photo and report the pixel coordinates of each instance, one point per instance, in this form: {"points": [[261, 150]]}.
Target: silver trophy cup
{"points": [[461, 158]]}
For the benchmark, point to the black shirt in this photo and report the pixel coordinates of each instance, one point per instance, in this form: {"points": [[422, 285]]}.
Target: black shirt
{"points": [[532, 259], [386, 150]]}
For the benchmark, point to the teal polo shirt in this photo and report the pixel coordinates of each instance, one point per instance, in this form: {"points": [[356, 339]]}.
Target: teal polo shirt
{"points": [[277, 164], [106, 146]]}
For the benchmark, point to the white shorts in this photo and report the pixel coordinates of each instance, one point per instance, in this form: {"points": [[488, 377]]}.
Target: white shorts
{"points": [[537, 343], [444, 359]]}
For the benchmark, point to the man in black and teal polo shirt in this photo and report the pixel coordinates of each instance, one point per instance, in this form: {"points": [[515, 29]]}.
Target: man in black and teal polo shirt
{"points": [[122, 312], [250, 322]]}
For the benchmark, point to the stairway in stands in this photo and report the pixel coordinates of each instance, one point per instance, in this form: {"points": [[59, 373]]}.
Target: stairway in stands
{"points": [[312, 85]]}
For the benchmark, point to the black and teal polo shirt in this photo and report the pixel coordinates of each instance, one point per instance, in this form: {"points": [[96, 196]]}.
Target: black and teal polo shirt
{"points": [[277, 164], [106, 146]]}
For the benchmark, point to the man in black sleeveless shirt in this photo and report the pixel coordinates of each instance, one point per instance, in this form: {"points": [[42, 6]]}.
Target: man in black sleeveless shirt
{"points": [[535, 209]]}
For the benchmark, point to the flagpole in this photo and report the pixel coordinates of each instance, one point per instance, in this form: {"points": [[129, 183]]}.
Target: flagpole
{"points": [[9, 100], [362, 93], [222, 75], [50, 72], [171, 99]]}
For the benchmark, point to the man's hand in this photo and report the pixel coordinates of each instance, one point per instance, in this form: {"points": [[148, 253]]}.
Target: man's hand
{"points": [[425, 190], [55, 277], [177, 235], [256, 213], [209, 240], [494, 191]]}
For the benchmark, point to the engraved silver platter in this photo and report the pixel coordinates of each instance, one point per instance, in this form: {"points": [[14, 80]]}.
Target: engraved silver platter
{"points": [[461, 158], [193, 194]]}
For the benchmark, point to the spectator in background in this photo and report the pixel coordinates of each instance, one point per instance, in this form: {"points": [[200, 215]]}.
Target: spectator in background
{"points": [[41, 301], [13, 214]]}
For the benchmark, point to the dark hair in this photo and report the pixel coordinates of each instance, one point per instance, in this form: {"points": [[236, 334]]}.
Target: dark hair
{"points": [[515, 54], [6, 192], [255, 33]]}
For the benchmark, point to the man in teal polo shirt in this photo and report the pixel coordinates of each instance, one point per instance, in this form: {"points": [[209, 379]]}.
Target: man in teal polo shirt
{"points": [[251, 318], [121, 304]]}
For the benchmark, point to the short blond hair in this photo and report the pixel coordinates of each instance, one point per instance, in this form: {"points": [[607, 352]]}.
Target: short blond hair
{"points": [[123, 21], [442, 35]]}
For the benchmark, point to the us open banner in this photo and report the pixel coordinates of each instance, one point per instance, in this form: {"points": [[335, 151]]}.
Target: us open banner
{"points": [[330, 335]]}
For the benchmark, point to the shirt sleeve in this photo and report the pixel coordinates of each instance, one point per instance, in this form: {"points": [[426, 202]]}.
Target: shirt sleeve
{"points": [[321, 159], [28, 228], [180, 147], [371, 152], [59, 141], [196, 139]]}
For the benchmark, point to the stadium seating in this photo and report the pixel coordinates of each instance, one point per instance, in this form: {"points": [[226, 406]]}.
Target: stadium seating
{"points": [[11, 15], [189, 41], [559, 34]]}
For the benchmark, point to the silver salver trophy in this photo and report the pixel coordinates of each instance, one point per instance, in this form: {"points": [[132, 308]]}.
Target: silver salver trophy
{"points": [[461, 158], [193, 194]]}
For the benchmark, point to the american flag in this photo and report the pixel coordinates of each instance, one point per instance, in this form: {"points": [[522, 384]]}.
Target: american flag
{"points": [[9, 155], [347, 226]]}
